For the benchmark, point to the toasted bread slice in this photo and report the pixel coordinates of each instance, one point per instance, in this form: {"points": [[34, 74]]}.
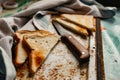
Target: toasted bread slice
{"points": [[40, 47], [20, 50], [86, 21], [72, 26]]}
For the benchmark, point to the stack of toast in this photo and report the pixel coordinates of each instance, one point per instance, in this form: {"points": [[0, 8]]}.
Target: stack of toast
{"points": [[33, 47]]}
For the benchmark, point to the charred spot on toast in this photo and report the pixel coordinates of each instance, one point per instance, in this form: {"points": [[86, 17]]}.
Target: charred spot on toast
{"points": [[38, 60]]}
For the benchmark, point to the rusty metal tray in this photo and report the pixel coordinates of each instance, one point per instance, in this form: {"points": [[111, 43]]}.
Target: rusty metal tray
{"points": [[61, 64]]}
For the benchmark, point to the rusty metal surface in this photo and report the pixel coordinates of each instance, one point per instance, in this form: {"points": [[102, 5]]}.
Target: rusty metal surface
{"points": [[99, 52], [61, 64]]}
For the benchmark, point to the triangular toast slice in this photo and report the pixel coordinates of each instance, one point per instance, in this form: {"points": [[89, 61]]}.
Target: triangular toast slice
{"points": [[20, 50], [72, 26], [40, 47], [86, 21]]}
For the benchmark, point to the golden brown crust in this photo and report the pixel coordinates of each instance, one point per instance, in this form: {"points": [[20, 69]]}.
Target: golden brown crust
{"points": [[94, 24], [43, 32], [36, 58], [16, 63], [25, 43]]}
